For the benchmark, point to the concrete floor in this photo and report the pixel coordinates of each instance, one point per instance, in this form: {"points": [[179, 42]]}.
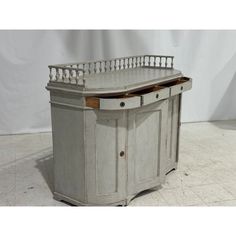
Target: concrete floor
{"points": [[206, 174]]}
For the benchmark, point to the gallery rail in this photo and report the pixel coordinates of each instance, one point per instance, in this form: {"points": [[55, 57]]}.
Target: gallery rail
{"points": [[73, 73]]}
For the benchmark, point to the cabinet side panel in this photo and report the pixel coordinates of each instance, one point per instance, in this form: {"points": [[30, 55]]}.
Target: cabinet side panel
{"points": [[169, 161], [66, 98], [173, 129], [68, 151]]}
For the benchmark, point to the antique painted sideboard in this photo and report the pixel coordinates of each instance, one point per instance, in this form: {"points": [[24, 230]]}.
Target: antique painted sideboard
{"points": [[115, 126]]}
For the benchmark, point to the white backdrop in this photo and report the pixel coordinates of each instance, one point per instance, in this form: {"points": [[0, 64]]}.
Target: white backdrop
{"points": [[209, 57]]}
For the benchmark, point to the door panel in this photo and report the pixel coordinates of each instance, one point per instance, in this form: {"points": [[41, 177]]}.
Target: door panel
{"points": [[106, 178], [106, 158], [147, 146], [146, 126]]}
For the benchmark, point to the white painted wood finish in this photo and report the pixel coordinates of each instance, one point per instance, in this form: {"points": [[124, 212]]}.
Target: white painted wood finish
{"points": [[105, 168], [129, 78], [119, 103], [106, 156], [147, 146], [179, 88], [68, 151], [118, 81], [155, 96], [173, 132]]}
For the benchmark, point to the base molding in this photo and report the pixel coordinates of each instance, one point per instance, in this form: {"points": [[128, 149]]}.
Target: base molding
{"points": [[60, 197], [125, 202]]}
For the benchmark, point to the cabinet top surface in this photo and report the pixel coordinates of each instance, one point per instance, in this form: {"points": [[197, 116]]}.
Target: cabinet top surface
{"points": [[129, 78], [114, 75], [121, 81]]}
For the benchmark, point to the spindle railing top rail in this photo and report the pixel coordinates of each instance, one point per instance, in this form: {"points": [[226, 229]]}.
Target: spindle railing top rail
{"points": [[75, 73]]}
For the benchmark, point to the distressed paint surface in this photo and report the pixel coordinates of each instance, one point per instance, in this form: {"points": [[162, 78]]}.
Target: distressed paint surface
{"points": [[89, 167]]}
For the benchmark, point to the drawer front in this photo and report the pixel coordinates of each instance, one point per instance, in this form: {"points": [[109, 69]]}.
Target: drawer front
{"points": [[179, 88], [120, 103], [155, 96]]}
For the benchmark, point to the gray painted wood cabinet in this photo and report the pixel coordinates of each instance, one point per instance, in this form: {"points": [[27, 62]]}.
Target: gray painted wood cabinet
{"points": [[115, 127]]}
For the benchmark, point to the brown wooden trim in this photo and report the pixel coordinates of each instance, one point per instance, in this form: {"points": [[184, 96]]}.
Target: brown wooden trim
{"points": [[175, 82], [92, 102], [148, 90]]}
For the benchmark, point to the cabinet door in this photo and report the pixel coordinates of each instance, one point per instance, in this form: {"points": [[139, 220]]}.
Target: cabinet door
{"points": [[147, 136], [105, 156]]}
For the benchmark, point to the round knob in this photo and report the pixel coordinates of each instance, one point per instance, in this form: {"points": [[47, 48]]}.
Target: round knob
{"points": [[157, 95], [122, 153], [122, 104]]}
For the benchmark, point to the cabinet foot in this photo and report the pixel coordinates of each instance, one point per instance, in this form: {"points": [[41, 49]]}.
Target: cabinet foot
{"points": [[171, 168]]}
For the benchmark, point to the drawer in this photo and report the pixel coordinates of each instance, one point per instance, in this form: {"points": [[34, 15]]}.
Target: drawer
{"points": [[180, 85], [141, 97], [117, 103], [153, 94]]}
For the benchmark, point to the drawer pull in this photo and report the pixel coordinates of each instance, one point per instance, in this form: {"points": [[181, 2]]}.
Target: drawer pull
{"points": [[122, 104], [157, 95], [122, 153], [181, 88]]}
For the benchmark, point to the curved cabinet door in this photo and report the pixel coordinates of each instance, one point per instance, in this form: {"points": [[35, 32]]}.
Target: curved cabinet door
{"points": [[147, 130], [105, 133]]}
